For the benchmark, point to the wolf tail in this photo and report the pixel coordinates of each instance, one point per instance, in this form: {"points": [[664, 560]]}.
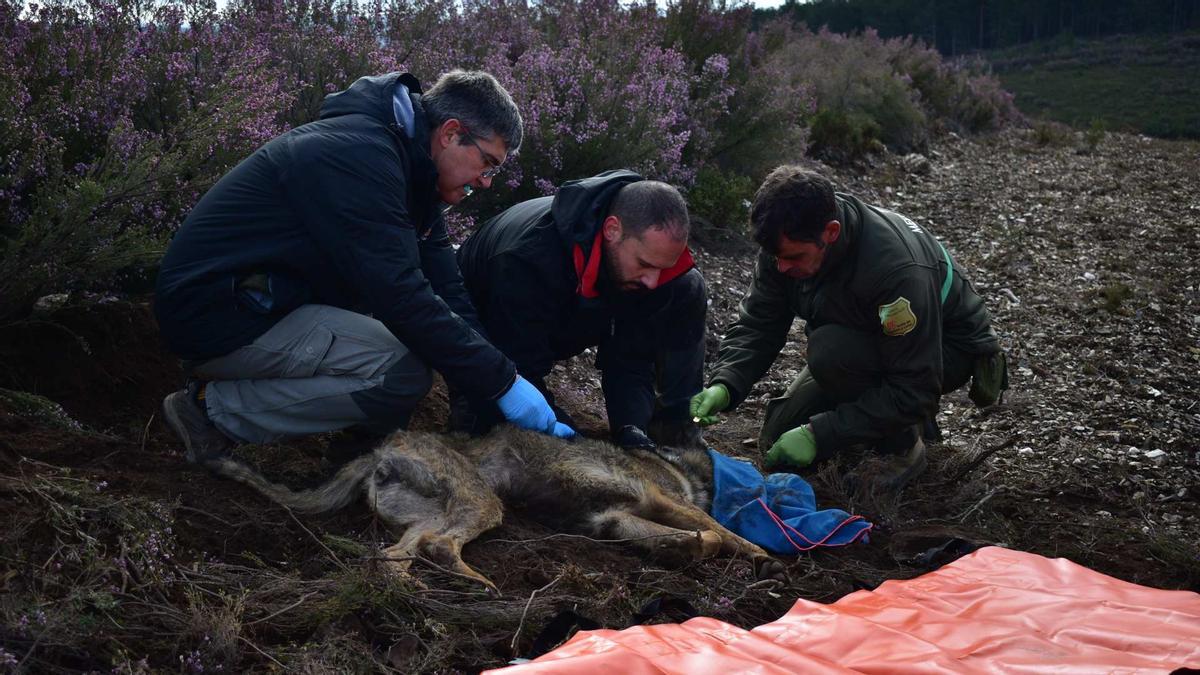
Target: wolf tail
{"points": [[332, 495]]}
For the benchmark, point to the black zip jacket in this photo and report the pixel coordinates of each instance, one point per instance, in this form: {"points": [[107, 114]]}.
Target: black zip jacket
{"points": [[542, 292], [520, 271], [343, 212]]}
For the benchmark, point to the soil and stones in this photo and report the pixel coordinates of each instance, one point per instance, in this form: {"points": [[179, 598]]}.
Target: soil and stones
{"points": [[116, 556]]}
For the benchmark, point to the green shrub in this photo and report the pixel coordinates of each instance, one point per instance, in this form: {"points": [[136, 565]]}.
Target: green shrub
{"points": [[1051, 134], [1113, 296], [721, 200], [843, 136], [852, 77], [961, 94], [1094, 134]]}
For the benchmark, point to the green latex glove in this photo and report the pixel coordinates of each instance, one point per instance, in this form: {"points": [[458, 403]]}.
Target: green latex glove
{"points": [[708, 403], [797, 448]]}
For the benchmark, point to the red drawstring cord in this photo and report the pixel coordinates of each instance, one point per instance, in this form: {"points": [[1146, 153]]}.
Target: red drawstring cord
{"points": [[785, 528]]}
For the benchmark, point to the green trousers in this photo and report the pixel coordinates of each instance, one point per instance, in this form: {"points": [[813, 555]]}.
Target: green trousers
{"points": [[843, 363]]}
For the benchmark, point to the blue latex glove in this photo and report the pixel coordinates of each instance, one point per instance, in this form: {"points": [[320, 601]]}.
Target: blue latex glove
{"points": [[524, 406]]}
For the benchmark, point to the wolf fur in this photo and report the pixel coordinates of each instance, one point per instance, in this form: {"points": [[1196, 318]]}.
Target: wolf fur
{"points": [[444, 491]]}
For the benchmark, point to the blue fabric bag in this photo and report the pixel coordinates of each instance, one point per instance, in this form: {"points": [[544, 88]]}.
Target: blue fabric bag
{"points": [[779, 512]]}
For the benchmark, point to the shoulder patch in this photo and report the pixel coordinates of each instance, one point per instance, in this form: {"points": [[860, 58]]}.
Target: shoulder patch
{"points": [[897, 317]]}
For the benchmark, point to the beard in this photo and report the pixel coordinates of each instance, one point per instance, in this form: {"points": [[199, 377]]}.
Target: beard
{"points": [[613, 280]]}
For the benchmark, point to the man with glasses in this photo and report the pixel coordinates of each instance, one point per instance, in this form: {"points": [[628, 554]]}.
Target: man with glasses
{"points": [[891, 323], [495, 166], [604, 263], [313, 288]]}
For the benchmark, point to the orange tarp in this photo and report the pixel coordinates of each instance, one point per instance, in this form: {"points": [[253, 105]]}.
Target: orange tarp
{"points": [[994, 611]]}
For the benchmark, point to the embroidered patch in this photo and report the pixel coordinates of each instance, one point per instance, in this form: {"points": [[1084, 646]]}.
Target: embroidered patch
{"points": [[897, 317]]}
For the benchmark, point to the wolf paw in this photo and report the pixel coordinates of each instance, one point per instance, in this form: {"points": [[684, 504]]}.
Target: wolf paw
{"points": [[708, 544], [768, 568]]}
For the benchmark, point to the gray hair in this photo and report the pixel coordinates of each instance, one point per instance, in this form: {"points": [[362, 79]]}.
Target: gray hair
{"points": [[650, 204], [479, 101]]}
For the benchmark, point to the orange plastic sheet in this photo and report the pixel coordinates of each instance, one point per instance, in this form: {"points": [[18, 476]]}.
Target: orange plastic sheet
{"points": [[994, 611]]}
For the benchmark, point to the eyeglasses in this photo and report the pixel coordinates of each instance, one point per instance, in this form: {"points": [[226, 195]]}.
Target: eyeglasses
{"points": [[494, 166]]}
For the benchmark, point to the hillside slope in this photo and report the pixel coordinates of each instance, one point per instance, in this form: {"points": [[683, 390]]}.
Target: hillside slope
{"points": [[116, 556]]}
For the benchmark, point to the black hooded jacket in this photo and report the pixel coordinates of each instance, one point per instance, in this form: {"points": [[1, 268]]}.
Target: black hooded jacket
{"points": [[342, 212], [536, 276], [521, 272]]}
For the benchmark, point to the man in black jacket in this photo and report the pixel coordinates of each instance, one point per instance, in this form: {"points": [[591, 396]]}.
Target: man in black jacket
{"points": [[603, 263], [892, 324], [314, 287]]}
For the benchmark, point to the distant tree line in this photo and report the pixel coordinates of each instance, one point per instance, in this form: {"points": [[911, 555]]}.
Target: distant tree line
{"points": [[957, 26]]}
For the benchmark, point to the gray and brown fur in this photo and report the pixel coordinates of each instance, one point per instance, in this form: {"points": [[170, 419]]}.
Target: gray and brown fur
{"points": [[446, 490]]}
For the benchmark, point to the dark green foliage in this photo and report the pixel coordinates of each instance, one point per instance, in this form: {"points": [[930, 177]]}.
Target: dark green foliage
{"points": [[961, 26], [844, 136], [1160, 100], [1051, 134], [721, 200], [1094, 134], [1113, 296]]}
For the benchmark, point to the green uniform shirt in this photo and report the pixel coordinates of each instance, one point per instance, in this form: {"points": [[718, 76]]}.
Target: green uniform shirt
{"points": [[883, 275]]}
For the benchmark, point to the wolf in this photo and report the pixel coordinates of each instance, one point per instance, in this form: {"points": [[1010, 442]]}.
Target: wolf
{"points": [[445, 490]]}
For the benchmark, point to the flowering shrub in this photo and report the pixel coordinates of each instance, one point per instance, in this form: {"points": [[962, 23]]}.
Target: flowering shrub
{"points": [[853, 79], [115, 115], [762, 121], [113, 129], [961, 93]]}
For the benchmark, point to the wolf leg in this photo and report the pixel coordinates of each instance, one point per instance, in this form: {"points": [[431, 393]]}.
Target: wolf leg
{"points": [[655, 537], [444, 550], [662, 509], [423, 485]]}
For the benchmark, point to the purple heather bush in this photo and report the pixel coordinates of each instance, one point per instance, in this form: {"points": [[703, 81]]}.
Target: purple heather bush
{"points": [[961, 94], [116, 115]]}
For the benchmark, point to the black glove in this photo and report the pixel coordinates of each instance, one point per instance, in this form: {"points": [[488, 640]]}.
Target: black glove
{"points": [[630, 437]]}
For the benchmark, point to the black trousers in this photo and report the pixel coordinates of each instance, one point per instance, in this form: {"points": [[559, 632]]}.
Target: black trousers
{"points": [[843, 363]]}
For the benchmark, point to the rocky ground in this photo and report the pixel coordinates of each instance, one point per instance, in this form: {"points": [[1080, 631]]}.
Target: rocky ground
{"points": [[115, 556]]}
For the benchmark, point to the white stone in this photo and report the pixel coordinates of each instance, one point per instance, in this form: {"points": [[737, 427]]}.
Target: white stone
{"points": [[1025, 451], [1157, 456]]}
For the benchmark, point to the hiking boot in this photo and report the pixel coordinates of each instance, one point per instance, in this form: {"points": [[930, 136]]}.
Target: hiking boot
{"points": [[901, 469], [989, 379], [185, 415], [630, 437], [892, 468]]}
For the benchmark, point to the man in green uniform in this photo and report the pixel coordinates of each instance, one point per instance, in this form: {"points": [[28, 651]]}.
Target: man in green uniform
{"points": [[892, 324]]}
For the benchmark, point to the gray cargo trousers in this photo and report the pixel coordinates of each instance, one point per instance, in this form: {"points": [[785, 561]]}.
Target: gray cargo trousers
{"points": [[319, 369]]}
